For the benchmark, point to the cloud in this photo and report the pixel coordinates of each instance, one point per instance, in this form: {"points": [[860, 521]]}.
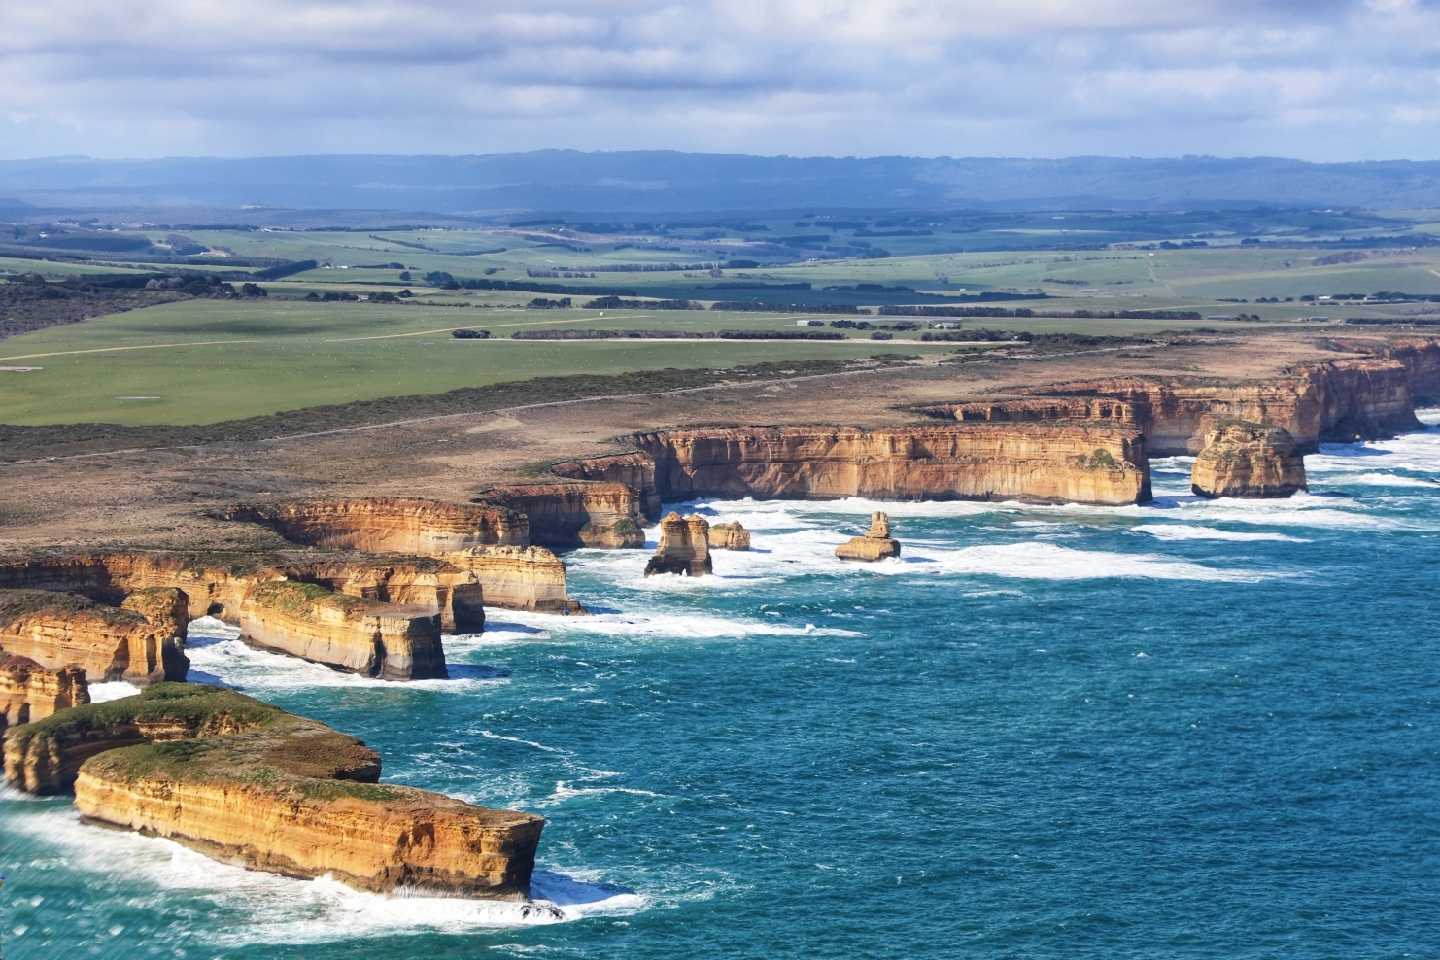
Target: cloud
{"points": [[1323, 79]]}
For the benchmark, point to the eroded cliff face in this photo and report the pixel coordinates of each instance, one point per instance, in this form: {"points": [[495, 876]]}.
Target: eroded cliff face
{"points": [[58, 630], [1052, 462], [519, 578], [1339, 400], [368, 637], [634, 470], [877, 544], [30, 692], [456, 594], [253, 785], [1248, 460], [388, 524], [1421, 359], [684, 547], [564, 516]]}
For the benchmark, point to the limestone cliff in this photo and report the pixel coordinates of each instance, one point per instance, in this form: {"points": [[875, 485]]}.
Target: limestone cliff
{"points": [[30, 692], [1087, 462], [388, 524], [58, 630], [218, 588], [1421, 359], [729, 536], [634, 470], [528, 578], [247, 783], [877, 544], [564, 516], [1339, 400], [684, 547], [351, 633], [1248, 460]]}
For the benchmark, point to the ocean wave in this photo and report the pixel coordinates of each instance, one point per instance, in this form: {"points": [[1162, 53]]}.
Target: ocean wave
{"points": [[1047, 561], [1182, 531], [111, 690], [678, 625]]}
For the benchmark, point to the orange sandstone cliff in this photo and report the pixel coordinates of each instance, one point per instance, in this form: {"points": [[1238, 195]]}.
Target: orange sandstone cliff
{"points": [[564, 516], [1088, 462], [29, 692], [634, 470], [368, 637], [248, 783], [388, 524], [58, 630], [1339, 400]]}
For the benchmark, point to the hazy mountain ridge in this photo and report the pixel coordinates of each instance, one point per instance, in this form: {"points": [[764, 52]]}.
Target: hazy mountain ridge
{"points": [[671, 182]]}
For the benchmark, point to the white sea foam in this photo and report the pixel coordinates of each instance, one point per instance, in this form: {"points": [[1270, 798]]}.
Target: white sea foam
{"points": [[1048, 561], [689, 626], [284, 910], [1183, 531], [226, 660], [111, 690]]}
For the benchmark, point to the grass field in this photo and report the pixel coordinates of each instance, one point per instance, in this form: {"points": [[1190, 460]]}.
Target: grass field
{"points": [[204, 361]]}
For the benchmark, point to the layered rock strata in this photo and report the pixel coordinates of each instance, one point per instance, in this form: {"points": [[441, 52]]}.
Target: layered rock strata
{"points": [[729, 536], [368, 637], [248, 783], [1339, 401], [388, 524], [1248, 460], [218, 586], [877, 544], [564, 516], [59, 630], [492, 542], [519, 578], [30, 692], [1087, 462], [684, 547], [634, 470]]}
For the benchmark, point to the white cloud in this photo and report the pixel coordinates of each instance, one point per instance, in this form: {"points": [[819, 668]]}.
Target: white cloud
{"points": [[1328, 79]]}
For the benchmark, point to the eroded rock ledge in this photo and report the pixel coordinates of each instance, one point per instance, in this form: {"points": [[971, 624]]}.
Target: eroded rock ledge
{"points": [[250, 784], [490, 541], [1335, 401], [58, 630], [1248, 460], [877, 544]]}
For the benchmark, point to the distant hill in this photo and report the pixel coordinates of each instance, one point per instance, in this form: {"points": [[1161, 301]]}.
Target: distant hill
{"points": [[669, 182]]}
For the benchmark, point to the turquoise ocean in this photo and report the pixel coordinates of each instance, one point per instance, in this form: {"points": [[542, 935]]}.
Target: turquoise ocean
{"points": [[1185, 729]]}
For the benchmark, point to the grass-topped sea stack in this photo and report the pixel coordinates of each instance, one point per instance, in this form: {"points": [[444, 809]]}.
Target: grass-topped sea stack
{"points": [[248, 783], [1248, 460]]}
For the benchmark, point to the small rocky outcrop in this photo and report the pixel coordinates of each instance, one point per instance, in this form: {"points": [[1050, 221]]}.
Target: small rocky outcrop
{"points": [[729, 536], [30, 692], [59, 630], [1247, 460], [246, 782], [684, 546], [877, 543], [368, 637]]}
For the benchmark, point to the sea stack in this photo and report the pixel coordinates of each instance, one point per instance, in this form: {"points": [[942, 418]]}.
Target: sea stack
{"points": [[877, 543], [1243, 459], [684, 546], [729, 536]]}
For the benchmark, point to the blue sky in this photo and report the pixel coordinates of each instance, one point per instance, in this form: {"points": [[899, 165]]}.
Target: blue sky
{"points": [[1318, 80]]}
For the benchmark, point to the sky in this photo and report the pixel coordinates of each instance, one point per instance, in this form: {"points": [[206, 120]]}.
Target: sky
{"points": [[1321, 80]]}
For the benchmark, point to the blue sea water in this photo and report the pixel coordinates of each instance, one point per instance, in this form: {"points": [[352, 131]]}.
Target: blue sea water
{"points": [[1187, 729]]}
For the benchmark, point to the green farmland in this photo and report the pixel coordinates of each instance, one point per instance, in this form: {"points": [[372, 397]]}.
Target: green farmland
{"points": [[208, 360]]}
